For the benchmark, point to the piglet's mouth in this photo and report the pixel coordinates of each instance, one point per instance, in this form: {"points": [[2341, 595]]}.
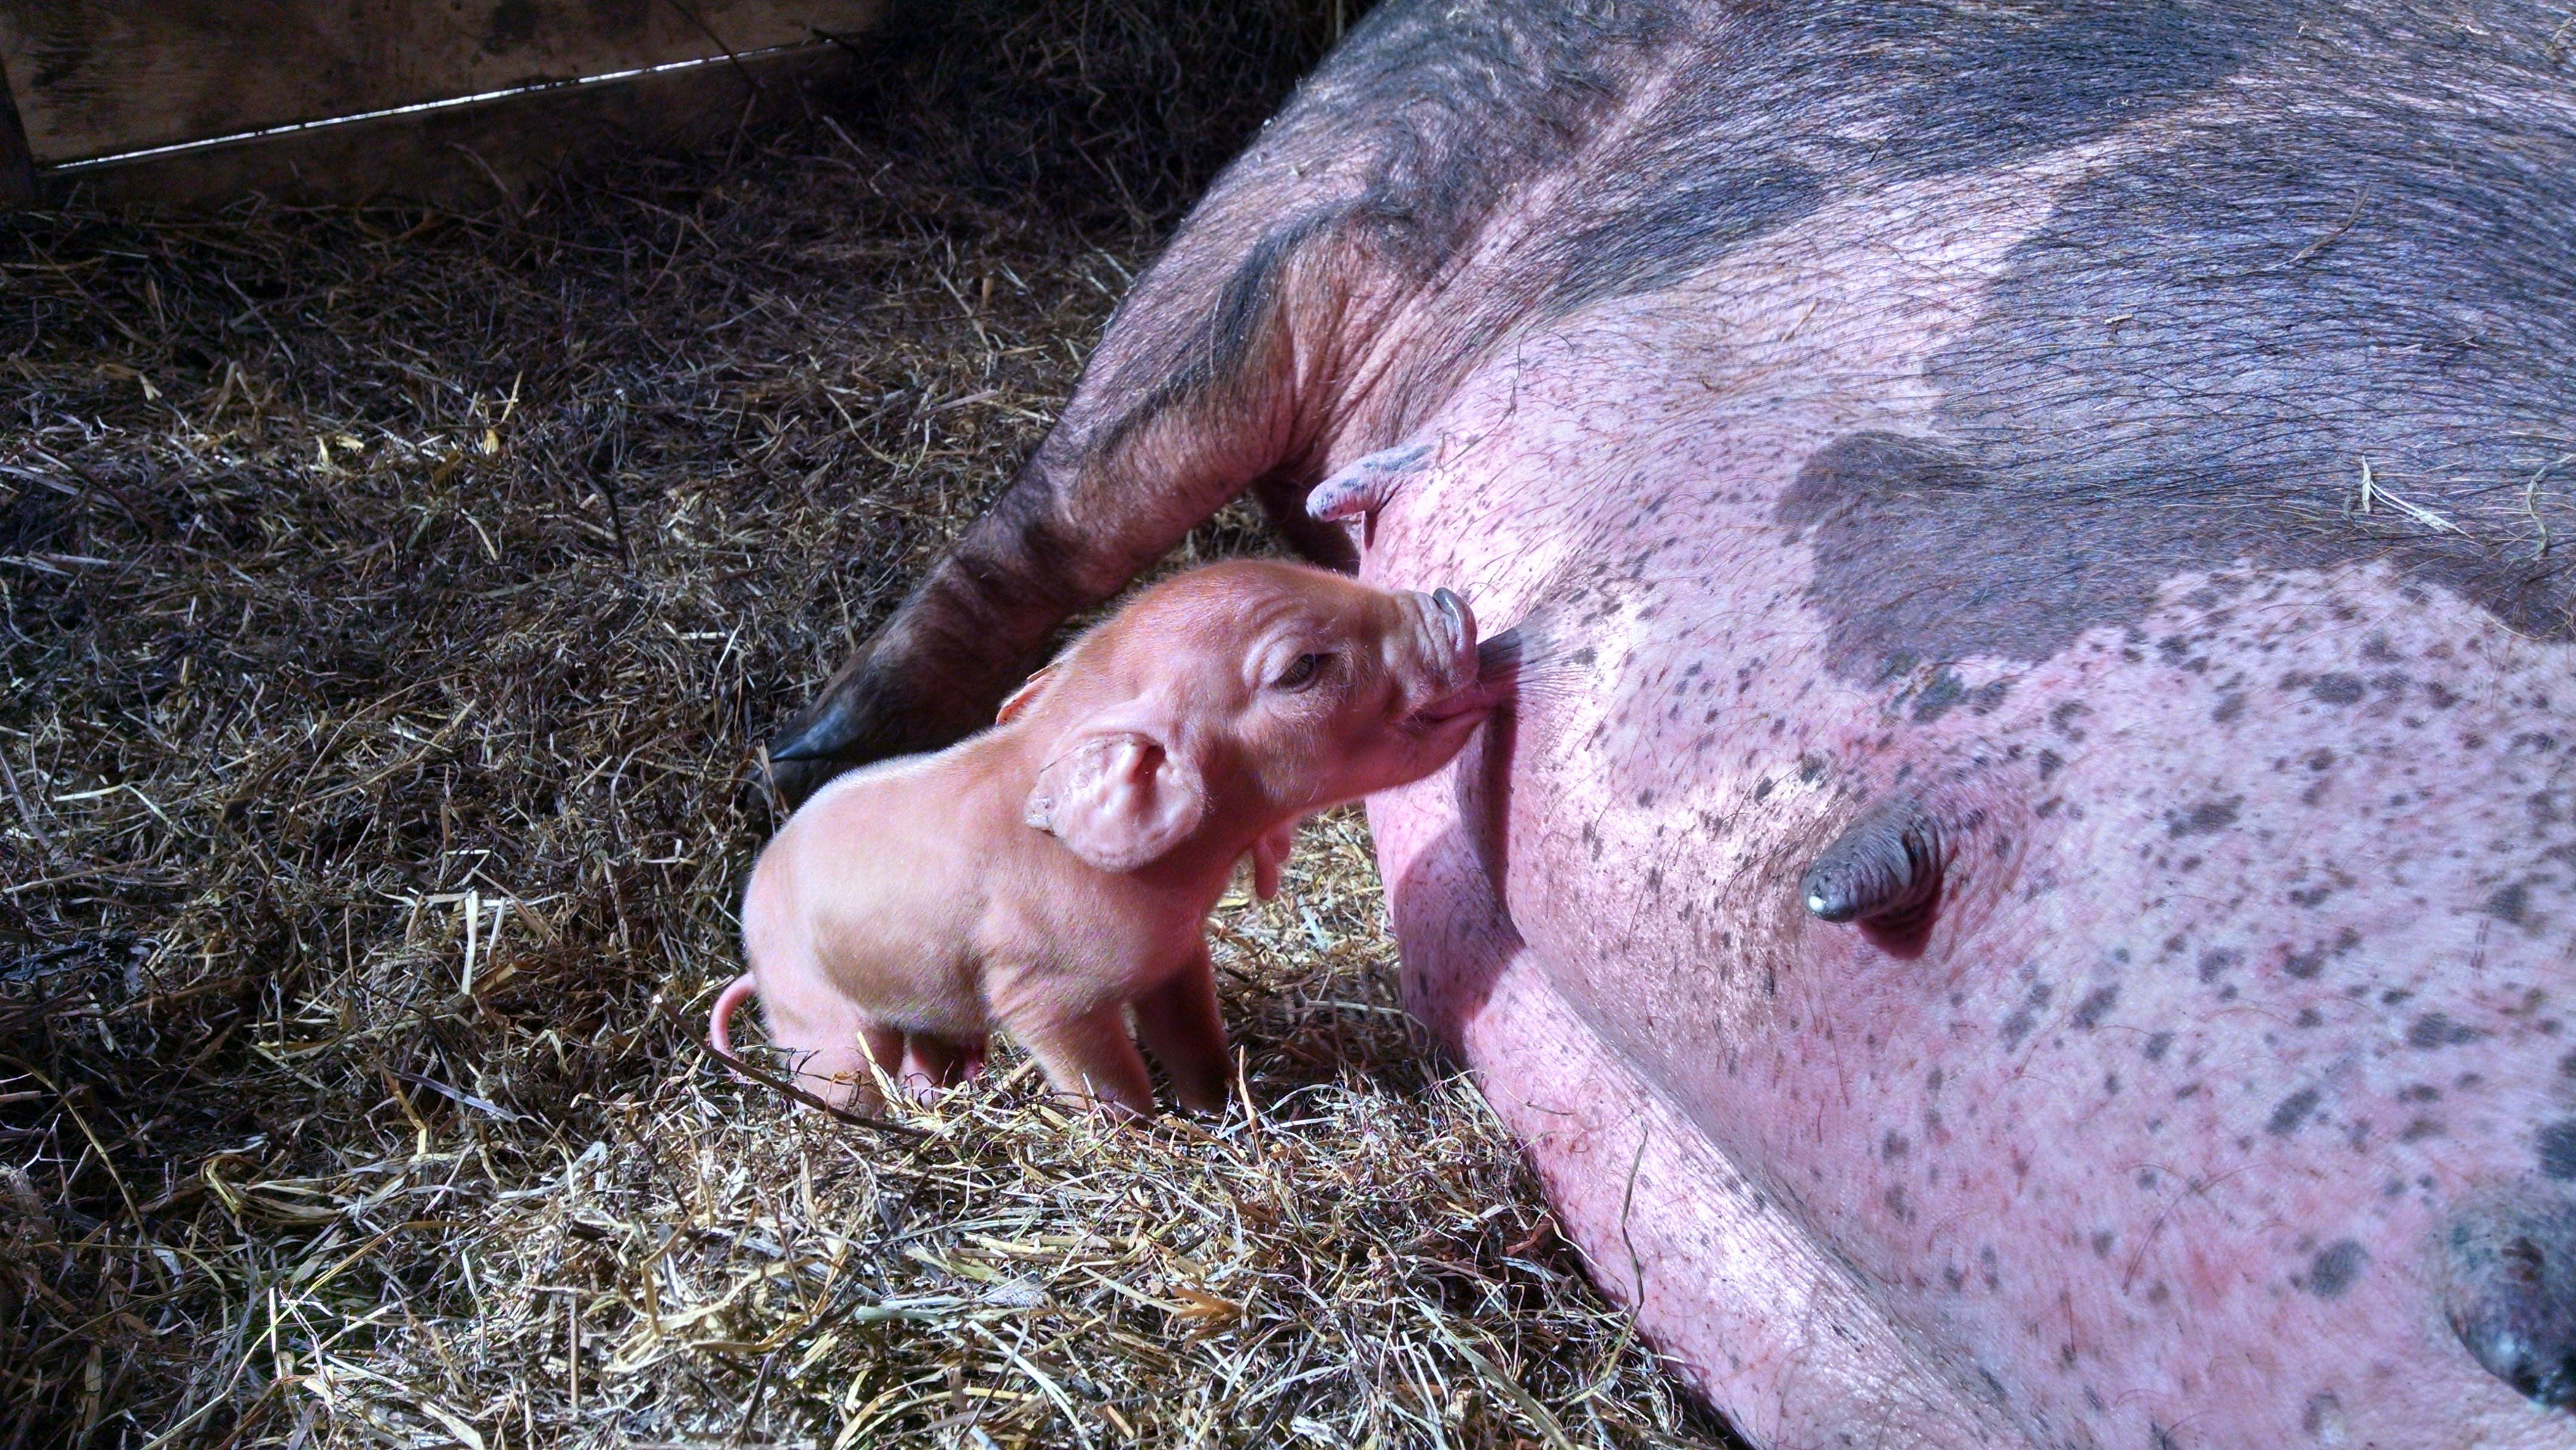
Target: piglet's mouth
{"points": [[1475, 701], [1497, 663], [1482, 671], [1450, 616]]}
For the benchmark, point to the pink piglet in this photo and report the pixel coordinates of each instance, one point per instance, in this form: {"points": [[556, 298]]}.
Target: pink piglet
{"points": [[1055, 872]]}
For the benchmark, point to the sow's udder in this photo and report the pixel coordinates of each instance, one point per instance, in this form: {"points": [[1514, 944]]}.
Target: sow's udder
{"points": [[2159, 1005]]}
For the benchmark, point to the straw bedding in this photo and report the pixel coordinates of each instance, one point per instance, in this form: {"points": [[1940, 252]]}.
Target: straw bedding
{"points": [[392, 604]]}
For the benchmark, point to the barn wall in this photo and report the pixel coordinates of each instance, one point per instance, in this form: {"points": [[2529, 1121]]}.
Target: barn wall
{"points": [[99, 79]]}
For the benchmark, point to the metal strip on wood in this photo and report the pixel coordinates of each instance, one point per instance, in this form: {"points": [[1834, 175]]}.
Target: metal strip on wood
{"points": [[465, 157], [99, 78]]}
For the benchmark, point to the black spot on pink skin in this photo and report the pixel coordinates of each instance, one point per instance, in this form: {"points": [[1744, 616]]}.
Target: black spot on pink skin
{"points": [[2335, 1267], [2158, 1043], [2291, 1111], [2434, 1030], [2026, 1016], [2203, 819], [2510, 905], [2088, 1013], [2338, 689]]}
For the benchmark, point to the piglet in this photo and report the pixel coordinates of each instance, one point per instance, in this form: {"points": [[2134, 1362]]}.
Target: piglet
{"points": [[1056, 871]]}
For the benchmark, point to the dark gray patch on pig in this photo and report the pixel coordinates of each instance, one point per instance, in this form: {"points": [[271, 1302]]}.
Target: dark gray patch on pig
{"points": [[1745, 144], [1672, 234], [2557, 1149], [2507, 1266], [2260, 269], [1919, 553], [1939, 697]]}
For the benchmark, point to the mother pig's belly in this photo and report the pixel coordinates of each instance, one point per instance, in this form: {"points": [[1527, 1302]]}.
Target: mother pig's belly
{"points": [[2245, 992]]}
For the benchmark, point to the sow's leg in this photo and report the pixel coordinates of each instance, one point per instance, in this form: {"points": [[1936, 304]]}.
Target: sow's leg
{"points": [[1261, 351], [2109, 427], [2206, 1078]]}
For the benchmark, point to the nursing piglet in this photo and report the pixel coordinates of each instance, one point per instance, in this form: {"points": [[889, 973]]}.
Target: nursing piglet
{"points": [[1056, 871]]}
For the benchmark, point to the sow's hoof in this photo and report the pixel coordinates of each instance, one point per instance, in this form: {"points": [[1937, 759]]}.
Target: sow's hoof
{"points": [[2510, 1290], [789, 782]]}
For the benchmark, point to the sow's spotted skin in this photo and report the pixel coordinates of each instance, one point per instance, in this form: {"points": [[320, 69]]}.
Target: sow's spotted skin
{"points": [[2029, 897]]}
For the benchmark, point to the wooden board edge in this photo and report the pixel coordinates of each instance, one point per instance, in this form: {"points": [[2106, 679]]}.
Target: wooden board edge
{"points": [[462, 157], [17, 164]]}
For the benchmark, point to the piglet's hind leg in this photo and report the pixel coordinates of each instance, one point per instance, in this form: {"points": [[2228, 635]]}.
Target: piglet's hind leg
{"points": [[932, 1064], [831, 1048], [1180, 1025], [1091, 1057]]}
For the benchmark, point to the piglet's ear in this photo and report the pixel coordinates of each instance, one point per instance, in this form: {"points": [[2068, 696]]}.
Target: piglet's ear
{"points": [[1023, 697], [1119, 801]]}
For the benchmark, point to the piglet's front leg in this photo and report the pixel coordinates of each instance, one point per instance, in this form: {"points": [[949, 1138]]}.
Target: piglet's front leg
{"points": [[1180, 1025], [1088, 1056]]}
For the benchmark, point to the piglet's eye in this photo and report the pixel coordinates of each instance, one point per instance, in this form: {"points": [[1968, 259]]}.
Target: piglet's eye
{"points": [[1301, 672]]}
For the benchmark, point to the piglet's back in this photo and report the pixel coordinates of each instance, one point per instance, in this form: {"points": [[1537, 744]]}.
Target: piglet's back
{"points": [[875, 883]]}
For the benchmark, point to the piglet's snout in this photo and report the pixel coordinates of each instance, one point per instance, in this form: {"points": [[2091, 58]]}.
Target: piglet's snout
{"points": [[1449, 636]]}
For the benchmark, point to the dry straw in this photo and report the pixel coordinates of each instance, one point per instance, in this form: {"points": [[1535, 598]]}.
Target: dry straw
{"points": [[392, 604]]}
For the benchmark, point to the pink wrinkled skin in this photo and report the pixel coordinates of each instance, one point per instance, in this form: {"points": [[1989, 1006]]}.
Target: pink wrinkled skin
{"points": [[2161, 1137], [1049, 875]]}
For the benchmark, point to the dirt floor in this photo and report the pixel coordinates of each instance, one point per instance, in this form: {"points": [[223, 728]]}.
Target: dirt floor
{"points": [[392, 603]]}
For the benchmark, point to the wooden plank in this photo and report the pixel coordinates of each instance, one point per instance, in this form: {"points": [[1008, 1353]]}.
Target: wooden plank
{"points": [[17, 167], [465, 157], [102, 77]]}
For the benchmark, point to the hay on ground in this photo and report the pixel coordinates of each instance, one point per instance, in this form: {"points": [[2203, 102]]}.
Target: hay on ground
{"points": [[392, 603]]}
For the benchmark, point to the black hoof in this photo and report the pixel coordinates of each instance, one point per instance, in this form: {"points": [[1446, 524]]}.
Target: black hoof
{"points": [[791, 781], [868, 713]]}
